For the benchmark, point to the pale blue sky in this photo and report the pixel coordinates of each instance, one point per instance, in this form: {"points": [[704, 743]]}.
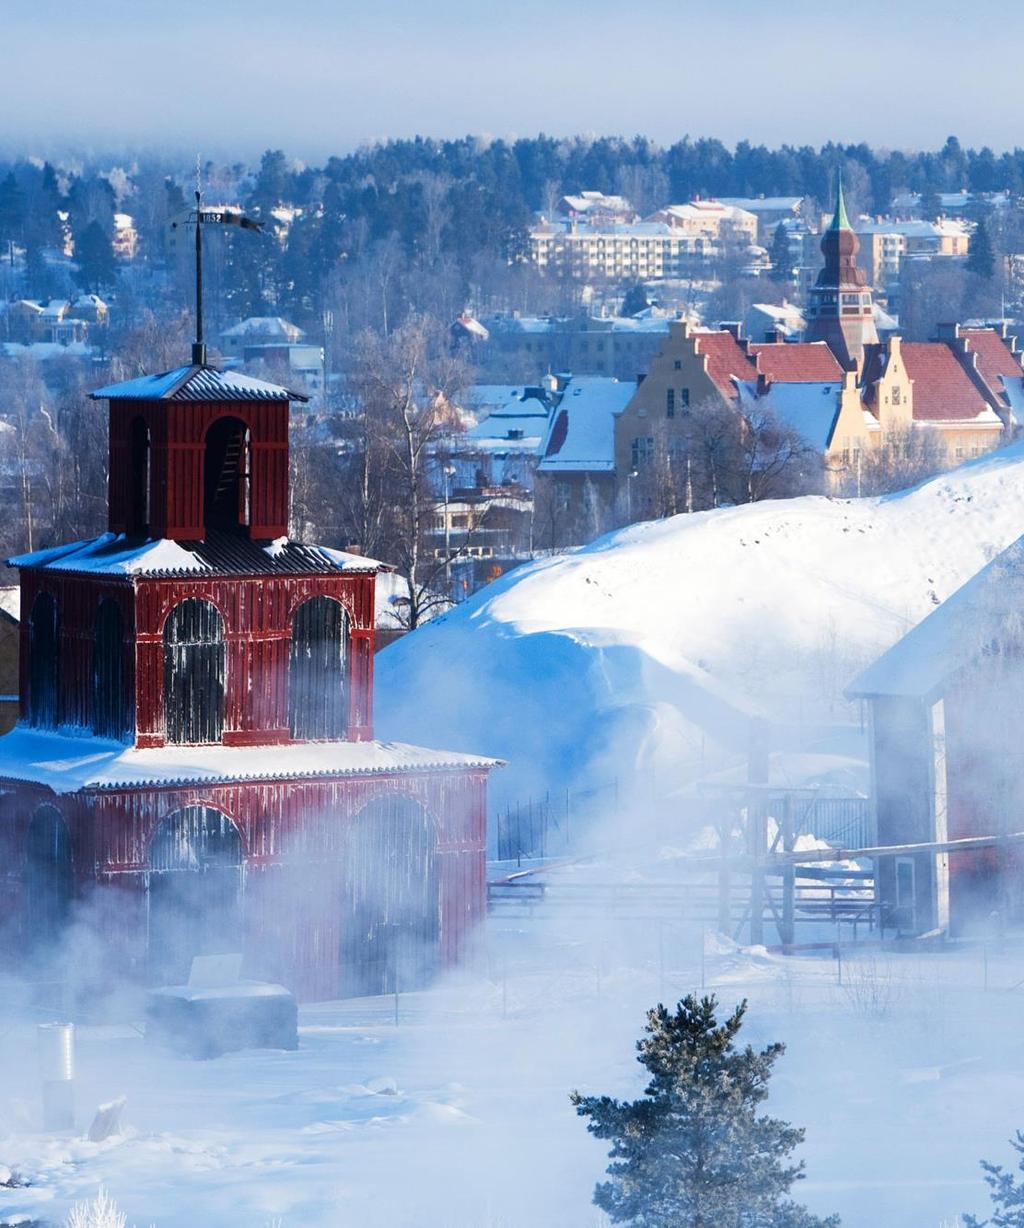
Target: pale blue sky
{"points": [[316, 76]]}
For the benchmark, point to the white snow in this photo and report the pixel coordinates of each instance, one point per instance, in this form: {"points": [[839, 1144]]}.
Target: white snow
{"points": [[903, 1069], [647, 651], [66, 763], [111, 553]]}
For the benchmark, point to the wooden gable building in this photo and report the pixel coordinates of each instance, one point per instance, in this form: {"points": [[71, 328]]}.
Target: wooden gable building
{"points": [[946, 759], [194, 768]]}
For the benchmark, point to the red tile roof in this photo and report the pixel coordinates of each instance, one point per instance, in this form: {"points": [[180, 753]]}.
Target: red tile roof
{"points": [[799, 362], [995, 358], [726, 359], [943, 391]]}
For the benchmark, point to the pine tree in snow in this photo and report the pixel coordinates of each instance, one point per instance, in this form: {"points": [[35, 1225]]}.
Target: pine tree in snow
{"points": [[692, 1152], [101, 1212], [1006, 1192]]}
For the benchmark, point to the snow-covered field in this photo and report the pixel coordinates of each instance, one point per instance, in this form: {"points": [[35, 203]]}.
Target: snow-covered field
{"points": [[646, 652], [904, 1074]]}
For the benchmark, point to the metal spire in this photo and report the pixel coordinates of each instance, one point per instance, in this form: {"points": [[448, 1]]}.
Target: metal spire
{"points": [[198, 348], [840, 221]]}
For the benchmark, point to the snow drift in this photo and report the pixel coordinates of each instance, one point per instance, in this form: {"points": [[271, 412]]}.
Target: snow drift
{"points": [[646, 653]]}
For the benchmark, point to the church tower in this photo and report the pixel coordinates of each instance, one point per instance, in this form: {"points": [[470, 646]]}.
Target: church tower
{"points": [[840, 311], [194, 769]]}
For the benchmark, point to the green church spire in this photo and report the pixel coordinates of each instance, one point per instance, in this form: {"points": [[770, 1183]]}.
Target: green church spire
{"points": [[840, 221]]}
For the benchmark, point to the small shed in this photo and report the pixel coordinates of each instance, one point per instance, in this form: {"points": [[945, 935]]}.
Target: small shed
{"points": [[947, 761]]}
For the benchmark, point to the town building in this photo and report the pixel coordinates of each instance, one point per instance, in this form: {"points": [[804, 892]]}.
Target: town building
{"points": [[194, 769], [526, 346], [886, 244], [715, 220], [769, 211], [277, 344]]}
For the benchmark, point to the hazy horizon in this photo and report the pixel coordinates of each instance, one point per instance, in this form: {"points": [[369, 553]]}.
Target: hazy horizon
{"points": [[316, 78]]}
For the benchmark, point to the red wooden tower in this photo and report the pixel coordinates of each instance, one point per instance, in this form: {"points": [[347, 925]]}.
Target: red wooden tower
{"points": [[194, 768]]}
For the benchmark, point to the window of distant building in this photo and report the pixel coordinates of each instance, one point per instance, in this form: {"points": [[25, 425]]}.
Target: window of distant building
{"points": [[642, 451], [678, 364], [895, 394], [670, 403], [684, 396]]}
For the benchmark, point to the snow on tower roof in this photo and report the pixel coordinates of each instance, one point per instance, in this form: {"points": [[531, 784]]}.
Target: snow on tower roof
{"points": [[113, 554], [67, 764], [194, 383]]}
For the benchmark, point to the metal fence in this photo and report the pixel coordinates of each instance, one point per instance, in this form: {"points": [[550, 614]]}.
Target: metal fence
{"points": [[544, 826], [844, 821]]}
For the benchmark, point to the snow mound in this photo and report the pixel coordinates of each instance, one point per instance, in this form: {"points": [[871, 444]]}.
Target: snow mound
{"points": [[643, 656]]}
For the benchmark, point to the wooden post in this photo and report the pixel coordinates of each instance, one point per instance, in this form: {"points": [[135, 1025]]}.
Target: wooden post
{"points": [[757, 826], [788, 876], [724, 878]]}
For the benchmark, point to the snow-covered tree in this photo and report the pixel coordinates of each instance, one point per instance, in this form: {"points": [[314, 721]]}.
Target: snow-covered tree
{"points": [[99, 1212], [692, 1152]]}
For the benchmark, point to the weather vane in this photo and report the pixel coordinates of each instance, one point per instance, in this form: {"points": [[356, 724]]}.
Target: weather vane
{"points": [[200, 217]]}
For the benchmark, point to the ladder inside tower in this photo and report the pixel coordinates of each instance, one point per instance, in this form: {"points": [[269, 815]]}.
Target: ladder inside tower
{"points": [[226, 494]]}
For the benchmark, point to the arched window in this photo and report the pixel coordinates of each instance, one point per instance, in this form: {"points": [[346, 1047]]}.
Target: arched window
{"points": [[391, 924], [194, 673], [43, 661], [317, 691], [195, 889], [48, 878], [226, 476], [109, 694], [137, 518]]}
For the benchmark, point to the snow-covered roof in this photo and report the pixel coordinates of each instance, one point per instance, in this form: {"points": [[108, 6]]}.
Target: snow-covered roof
{"points": [[113, 554], [514, 420], [44, 350], [764, 204], [952, 636], [68, 763], [265, 326], [581, 434], [193, 383], [810, 409]]}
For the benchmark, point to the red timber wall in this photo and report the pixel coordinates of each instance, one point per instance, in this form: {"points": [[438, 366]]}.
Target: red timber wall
{"points": [[292, 836], [177, 452], [78, 599], [985, 783], [257, 613]]}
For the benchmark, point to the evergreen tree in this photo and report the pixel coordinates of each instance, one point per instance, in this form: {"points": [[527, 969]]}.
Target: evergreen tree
{"points": [[692, 1152], [981, 258], [635, 300], [930, 204], [94, 254], [12, 211], [782, 261], [1006, 1192]]}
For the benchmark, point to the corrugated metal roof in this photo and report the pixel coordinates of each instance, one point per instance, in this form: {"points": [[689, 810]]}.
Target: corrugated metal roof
{"points": [[196, 384], [221, 554], [69, 764]]}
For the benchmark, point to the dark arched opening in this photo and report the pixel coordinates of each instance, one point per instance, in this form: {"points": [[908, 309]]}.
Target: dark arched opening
{"points": [[137, 518], [43, 661], [391, 924], [195, 891], [317, 694], [194, 673], [48, 879], [226, 476], [109, 694]]}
